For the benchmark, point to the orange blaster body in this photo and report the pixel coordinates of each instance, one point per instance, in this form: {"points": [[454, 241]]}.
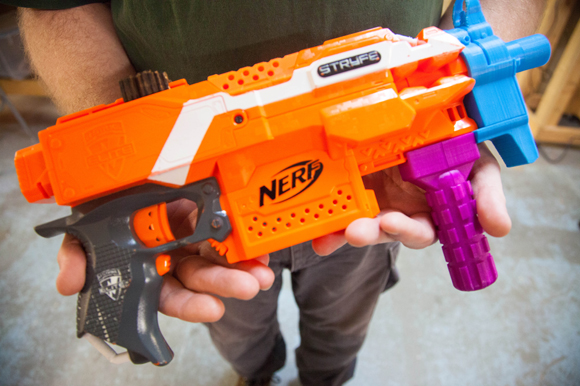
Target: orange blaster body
{"points": [[287, 141], [273, 155]]}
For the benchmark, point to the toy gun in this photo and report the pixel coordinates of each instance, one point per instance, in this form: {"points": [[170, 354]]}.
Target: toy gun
{"points": [[273, 156]]}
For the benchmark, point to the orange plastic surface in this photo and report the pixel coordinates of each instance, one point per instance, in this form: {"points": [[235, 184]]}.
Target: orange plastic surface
{"points": [[152, 226], [163, 264], [258, 76], [32, 174], [289, 170]]}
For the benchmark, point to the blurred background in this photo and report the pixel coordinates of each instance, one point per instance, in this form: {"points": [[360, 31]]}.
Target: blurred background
{"points": [[523, 330]]}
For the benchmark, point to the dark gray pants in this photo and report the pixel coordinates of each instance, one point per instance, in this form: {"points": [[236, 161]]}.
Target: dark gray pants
{"points": [[336, 296]]}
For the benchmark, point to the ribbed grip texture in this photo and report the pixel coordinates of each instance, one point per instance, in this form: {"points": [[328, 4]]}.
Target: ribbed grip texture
{"points": [[465, 246]]}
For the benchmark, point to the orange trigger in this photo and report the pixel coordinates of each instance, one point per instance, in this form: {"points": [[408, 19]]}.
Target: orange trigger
{"points": [[152, 226]]}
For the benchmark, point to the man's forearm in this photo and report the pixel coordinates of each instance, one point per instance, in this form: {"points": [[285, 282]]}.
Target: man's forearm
{"points": [[510, 19], [77, 53]]}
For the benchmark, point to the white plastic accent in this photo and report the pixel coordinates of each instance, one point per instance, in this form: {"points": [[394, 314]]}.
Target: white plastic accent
{"points": [[406, 94], [176, 176], [197, 115], [106, 350], [370, 99], [188, 132]]}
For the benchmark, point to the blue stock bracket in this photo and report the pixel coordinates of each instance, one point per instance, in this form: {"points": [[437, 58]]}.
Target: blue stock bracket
{"points": [[496, 102]]}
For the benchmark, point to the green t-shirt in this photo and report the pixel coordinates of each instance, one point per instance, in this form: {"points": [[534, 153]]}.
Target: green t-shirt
{"points": [[195, 39]]}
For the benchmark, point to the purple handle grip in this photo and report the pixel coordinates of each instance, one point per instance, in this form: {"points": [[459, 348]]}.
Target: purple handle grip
{"points": [[442, 169]]}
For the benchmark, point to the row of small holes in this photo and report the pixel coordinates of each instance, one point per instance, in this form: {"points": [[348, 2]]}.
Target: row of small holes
{"points": [[247, 73], [152, 228], [302, 220]]}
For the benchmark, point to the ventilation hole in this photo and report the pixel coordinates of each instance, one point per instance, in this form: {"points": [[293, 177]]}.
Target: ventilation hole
{"points": [[246, 73], [150, 214], [335, 202], [293, 215], [321, 206], [241, 82], [339, 192], [344, 207], [270, 73], [265, 224], [151, 227], [316, 215], [226, 86], [157, 239], [288, 225], [255, 77], [348, 198], [274, 229], [306, 210], [302, 220], [259, 234], [255, 219], [451, 114], [251, 229], [275, 64], [261, 68], [279, 219], [231, 77], [330, 211]]}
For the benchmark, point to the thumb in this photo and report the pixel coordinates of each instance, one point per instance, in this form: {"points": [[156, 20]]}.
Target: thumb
{"points": [[72, 262]]}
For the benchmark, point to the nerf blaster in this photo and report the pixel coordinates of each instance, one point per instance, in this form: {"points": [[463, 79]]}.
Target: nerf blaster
{"points": [[273, 156]]}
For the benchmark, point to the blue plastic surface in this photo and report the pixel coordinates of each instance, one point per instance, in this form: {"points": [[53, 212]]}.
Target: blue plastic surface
{"points": [[496, 102]]}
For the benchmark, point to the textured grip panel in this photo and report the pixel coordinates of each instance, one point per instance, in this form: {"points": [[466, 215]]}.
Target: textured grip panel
{"points": [[100, 304], [465, 246], [120, 298]]}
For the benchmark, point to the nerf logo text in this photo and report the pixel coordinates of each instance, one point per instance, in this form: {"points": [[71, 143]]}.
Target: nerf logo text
{"points": [[347, 64], [291, 181]]}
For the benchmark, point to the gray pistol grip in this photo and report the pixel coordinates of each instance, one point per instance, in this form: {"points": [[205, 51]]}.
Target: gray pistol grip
{"points": [[120, 298]]}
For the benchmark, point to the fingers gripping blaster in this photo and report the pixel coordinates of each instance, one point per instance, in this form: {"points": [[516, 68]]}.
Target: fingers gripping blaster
{"points": [[273, 155]]}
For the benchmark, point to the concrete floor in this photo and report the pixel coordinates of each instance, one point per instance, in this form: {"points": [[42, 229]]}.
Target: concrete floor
{"points": [[523, 330]]}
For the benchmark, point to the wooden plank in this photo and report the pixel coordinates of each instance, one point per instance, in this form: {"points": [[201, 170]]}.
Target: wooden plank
{"points": [[553, 22], [559, 134], [533, 122], [446, 4], [22, 87], [574, 105], [563, 84]]}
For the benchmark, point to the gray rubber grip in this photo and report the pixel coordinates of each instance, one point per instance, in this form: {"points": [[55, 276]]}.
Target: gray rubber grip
{"points": [[120, 298]]}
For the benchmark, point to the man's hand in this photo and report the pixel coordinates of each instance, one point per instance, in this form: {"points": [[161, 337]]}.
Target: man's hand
{"points": [[405, 215], [198, 273]]}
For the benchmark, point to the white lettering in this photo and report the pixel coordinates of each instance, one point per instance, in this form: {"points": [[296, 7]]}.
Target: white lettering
{"points": [[363, 58], [347, 64], [344, 64], [324, 70]]}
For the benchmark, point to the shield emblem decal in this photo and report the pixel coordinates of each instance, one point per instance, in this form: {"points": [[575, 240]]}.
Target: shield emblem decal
{"points": [[111, 283]]}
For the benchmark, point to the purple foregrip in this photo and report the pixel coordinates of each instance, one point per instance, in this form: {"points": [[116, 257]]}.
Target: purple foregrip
{"points": [[442, 169]]}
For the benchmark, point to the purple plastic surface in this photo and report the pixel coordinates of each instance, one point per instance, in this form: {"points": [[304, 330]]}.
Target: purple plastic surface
{"points": [[442, 169]]}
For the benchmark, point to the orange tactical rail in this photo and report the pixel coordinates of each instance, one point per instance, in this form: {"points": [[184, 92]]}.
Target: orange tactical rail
{"points": [[287, 140]]}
